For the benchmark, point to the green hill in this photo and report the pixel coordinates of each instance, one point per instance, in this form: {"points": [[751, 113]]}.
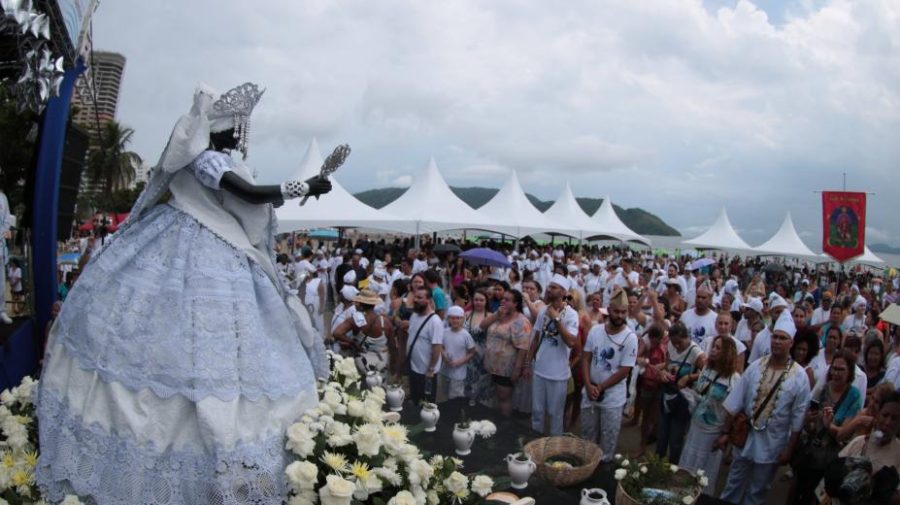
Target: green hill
{"points": [[637, 219]]}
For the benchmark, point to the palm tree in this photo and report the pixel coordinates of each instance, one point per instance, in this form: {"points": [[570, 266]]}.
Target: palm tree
{"points": [[109, 163]]}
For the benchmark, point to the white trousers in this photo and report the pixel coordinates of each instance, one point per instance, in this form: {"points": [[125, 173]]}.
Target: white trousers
{"points": [[548, 398]]}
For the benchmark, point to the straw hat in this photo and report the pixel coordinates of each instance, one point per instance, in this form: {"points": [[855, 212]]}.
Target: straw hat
{"points": [[367, 297]]}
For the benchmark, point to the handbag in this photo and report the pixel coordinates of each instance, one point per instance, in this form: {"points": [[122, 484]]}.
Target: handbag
{"points": [[672, 397], [407, 367], [818, 449], [740, 426]]}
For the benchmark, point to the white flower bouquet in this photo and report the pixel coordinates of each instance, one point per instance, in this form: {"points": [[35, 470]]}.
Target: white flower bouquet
{"points": [[346, 452], [654, 481], [19, 448]]}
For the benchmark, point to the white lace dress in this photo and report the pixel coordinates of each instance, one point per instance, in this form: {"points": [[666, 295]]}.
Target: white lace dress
{"points": [[173, 370]]}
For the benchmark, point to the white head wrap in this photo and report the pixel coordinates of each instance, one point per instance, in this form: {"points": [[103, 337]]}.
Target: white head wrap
{"points": [[785, 324], [776, 301], [349, 292], [456, 311], [350, 277], [859, 302], [561, 281]]}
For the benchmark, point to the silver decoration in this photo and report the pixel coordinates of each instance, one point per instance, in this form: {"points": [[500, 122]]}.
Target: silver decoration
{"points": [[41, 73], [238, 103], [331, 164]]}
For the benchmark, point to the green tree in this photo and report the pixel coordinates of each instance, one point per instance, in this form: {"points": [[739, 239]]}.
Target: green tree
{"points": [[109, 162]]}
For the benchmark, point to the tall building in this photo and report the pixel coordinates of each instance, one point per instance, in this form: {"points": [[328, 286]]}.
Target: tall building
{"points": [[100, 97], [96, 100]]}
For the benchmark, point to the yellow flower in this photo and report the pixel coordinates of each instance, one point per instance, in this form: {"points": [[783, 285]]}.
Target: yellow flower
{"points": [[8, 460], [31, 458], [361, 471], [22, 478], [335, 461]]}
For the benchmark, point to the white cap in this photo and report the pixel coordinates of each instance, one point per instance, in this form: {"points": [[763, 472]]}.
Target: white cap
{"points": [[349, 292], [357, 251], [731, 286], [785, 324], [754, 304], [350, 277], [775, 301], [859, 302], [561, 281], [571, 268], [456, 311]]}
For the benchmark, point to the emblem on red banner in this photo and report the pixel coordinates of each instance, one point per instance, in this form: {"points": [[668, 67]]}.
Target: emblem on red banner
{"points": [[843, 224]]}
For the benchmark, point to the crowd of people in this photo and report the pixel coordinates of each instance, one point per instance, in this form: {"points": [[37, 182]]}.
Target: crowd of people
{"points": [[739, 360]]}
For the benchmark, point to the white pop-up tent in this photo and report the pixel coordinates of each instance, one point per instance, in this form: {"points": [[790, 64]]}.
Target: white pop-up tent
{"points": [[565, 210], [429, 205], [720, 235], [511, 213], [866, 258], [608, 225], [786, 242], [337, 209]]}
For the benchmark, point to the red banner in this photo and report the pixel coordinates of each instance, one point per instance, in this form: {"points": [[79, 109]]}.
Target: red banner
{"points": [[843, 224]]}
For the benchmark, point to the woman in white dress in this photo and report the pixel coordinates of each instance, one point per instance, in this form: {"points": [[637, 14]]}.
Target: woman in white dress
{"points": [[180, 356]]}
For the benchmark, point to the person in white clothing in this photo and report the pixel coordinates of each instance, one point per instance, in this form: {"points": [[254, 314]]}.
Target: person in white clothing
{"points": [[773, 395], [458, 349], [723, 329], [609, 355], [423, 348], [700, 320], [762, 342], [555, 334], [752, 311]]}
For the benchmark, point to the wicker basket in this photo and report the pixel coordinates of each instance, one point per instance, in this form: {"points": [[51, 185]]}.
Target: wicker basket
{"points": [[567, 446]]}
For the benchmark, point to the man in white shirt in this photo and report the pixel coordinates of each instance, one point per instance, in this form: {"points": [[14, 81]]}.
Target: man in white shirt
{"points": [[774, 425], [822, 312], [609, 355], [555, 334], [423, 348], [594, 280], [762, 343], [700, 320]]}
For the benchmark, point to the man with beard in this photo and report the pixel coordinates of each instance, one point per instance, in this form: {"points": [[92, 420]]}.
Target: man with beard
{"points": [[609, 354], [424, 346], [700, 320], [556, 333], [762, 343], [775, 423]]}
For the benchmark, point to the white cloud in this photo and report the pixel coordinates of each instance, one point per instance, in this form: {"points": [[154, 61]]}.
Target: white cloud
{"points": [[675, 106], [403, 181]]}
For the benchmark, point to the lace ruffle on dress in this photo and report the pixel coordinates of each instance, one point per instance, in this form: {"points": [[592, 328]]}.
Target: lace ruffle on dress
{"points": [[171, 374]]}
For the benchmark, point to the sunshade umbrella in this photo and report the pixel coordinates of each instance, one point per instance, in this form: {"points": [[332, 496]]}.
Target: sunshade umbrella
{"points": [[69, 258], [702, 262], [446, 248], [485, 257], [774, 268], [891, 314]]}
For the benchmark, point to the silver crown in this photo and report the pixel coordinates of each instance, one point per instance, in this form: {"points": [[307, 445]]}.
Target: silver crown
{"points": [[238, 103]]}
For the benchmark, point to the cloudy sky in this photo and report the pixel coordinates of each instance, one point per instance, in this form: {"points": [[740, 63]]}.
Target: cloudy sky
{"points": [[677, 106]]}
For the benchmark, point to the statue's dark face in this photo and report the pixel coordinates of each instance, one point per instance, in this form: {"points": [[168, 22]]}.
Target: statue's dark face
{"points": [[223, 140]]}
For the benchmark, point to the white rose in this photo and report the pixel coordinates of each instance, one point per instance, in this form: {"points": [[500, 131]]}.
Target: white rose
{"points": [[302, 475], [687, 500], [394, 436], [339, 435], [482, 485], [70, 499], [620, 474], [674, 468], [402, 498], [356, 408], [419, 472], [643, 469], [378, 394], [336, 491], [408, 452], [636, 475], [624, 462], [704, 481], [6, 397], [368, 439], [456, 483], [300, 440], [390, 475], [617, 457], [332, 399], [433, 498], [700, 473]]}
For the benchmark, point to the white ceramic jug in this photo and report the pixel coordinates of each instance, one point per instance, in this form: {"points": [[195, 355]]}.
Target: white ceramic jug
{"points": [[373, 379], [394, 397], [430, 415], [463, 439], [594, 496], [520, 470]]}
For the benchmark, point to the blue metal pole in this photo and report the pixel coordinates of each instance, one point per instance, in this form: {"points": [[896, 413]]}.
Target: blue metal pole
{"points": [[45, 202]]}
